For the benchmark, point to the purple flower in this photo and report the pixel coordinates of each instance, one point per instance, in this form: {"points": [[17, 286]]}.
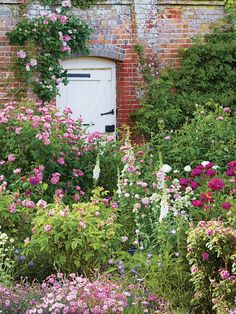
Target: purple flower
{"points": [[34, 180]]}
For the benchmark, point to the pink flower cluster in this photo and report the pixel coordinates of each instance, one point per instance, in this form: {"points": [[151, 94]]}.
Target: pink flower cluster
{"points": [[78, 295]]}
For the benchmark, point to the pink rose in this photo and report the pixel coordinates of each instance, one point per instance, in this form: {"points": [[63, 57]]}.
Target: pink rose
{"points": [[48, 228], [63, 19], [17, 171], [11, 158], [205, 256], [224, 274], [21, 54], [18, 130], [12, 208]]}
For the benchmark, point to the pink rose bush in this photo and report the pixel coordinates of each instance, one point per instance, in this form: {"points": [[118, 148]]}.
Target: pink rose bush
{"points": [[211, 254], [55, 35], [51, 152]]}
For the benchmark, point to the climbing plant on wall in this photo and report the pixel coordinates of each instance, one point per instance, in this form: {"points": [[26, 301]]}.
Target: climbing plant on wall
{"points": [[46, 40]]}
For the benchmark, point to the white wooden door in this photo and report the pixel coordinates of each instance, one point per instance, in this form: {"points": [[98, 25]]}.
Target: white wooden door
{"points": [[91, 92]]}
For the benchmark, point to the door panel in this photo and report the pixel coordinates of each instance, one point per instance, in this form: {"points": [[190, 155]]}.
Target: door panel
{"points": [[90, 93]]}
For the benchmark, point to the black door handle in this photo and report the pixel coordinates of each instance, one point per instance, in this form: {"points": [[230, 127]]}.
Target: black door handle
{"points": [[107, 113]]}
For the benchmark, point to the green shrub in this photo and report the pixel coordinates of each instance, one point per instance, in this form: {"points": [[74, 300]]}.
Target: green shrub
{"points": [[210, 135], [207, 72], [74, 239], [212, 254]]}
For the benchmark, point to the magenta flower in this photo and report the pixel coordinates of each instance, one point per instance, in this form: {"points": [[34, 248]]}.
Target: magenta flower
{"points": [[194, 185], [231, 172], [197, 203], [232, 163], [226, 206], [34, 180], [224, 274], [216, 184], [196, 172], [183, 181], [210, 172], [205, 256]]}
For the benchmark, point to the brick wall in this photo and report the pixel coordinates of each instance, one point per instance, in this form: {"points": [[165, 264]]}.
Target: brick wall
{"points": [[161, 26]]}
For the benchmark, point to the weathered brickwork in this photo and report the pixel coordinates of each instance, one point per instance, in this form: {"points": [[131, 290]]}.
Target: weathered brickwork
{"points": [[161, 26]]}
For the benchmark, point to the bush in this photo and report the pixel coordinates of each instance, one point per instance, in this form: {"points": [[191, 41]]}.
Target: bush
{"points": [[80, 238], [212, 247], [210, 135], [45, 155], [207, 73]]}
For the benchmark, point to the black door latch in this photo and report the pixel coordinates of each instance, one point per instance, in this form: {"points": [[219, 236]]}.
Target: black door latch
{"points": [[107, 113]]}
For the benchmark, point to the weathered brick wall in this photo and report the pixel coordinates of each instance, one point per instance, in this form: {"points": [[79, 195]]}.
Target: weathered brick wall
{"points": [[9, 13], [161, 26]]}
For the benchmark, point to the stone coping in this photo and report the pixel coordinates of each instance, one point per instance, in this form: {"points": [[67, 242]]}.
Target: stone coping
{"points": [[142, 2]]}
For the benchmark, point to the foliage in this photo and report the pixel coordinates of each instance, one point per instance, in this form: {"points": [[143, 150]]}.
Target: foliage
{"points": [[207, 72], [212, 248], [7, 262], [49, 38], [80, 238], [210, 135]]}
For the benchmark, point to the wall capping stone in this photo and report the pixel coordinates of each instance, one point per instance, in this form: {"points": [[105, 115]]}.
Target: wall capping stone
{"points": [[11, 1], [191, 2]]}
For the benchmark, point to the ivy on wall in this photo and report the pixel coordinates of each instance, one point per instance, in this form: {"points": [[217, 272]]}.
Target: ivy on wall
{"points": [[45, 41]]}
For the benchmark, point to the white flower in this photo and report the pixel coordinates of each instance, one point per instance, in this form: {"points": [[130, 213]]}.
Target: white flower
{"points": [[154, 197], [124, 238], [173, 231], [187, 168], [204, 163], [164, 207], [166, 168], [33, 62], [96, 170]]}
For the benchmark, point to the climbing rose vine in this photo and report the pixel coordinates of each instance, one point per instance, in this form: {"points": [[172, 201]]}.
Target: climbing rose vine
{"points": [[44, 41]]}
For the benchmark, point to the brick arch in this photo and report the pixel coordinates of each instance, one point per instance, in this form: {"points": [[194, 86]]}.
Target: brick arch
{"points": [[104, 51]]}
